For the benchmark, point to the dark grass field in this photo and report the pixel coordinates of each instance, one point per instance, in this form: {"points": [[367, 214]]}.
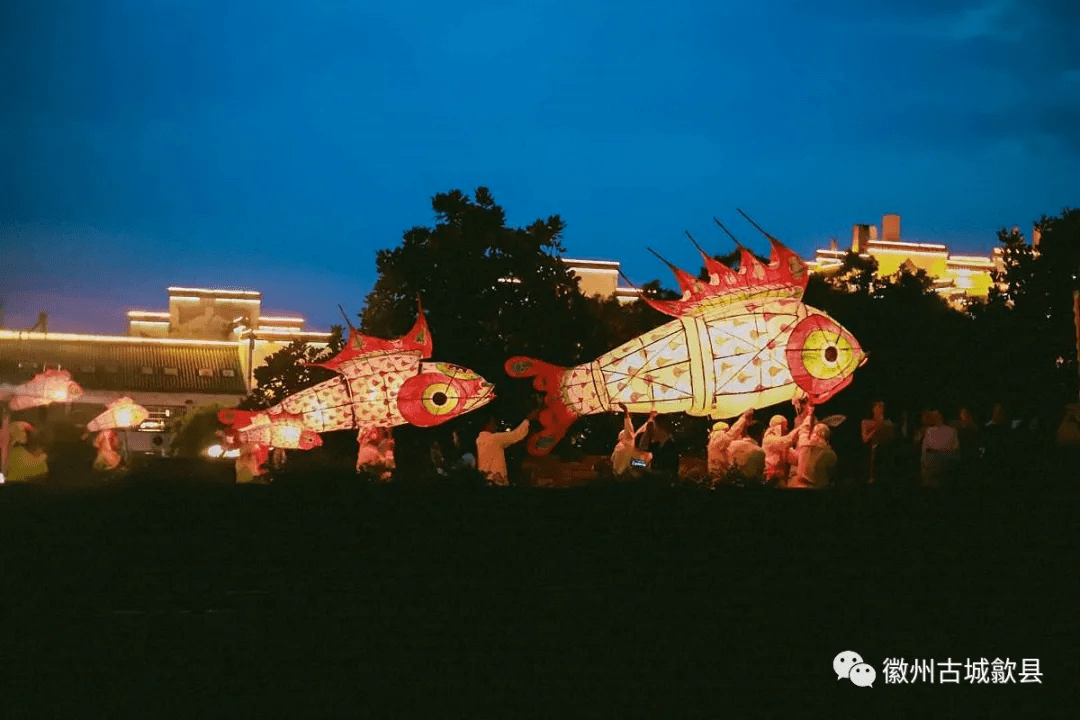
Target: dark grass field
{"points": [[602, 601]]}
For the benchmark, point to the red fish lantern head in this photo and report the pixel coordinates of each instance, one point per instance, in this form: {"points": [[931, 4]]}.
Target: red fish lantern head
{"points": [[442, 392], [822, 356]]}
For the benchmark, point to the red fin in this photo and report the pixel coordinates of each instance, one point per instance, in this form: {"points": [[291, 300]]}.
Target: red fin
{"points": [[719, 273], [418, 339], [236, 419], [785, 276], [556, 417]]}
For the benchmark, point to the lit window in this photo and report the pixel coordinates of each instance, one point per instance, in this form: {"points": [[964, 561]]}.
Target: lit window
{"points": [[147, 370], [205, 373], [158, 420], [228, 373], [171, 371]]}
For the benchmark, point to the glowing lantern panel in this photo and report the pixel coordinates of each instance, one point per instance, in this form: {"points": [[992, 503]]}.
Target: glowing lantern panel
{"points": [[119, 414]]}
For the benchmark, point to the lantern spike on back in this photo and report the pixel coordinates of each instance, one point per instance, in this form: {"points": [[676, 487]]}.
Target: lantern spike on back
{"points": [[689, 284], [719, 273], [785, 276]]}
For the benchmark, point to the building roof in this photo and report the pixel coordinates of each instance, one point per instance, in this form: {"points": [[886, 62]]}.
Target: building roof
{"points": [[126, 366]]}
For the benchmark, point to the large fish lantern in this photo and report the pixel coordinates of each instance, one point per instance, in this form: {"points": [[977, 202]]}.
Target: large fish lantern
{"points": [[44, 388], [381, 383], [741, 340]]}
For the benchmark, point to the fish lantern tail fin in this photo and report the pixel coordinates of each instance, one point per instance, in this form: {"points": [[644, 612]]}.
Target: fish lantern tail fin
{"points": [[557, 416]]}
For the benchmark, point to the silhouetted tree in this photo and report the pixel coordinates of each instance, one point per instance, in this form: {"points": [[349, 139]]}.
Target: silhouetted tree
{"points": [[1030, 318], [283, 375]]}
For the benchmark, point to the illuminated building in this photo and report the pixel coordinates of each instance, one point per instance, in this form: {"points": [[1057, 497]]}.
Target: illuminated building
{"points": [[955, 276], [202, 350], [601, 277]]}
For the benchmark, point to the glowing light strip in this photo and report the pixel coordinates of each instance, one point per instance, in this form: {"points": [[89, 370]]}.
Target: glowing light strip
{"points": [[901, 244], [147, 314], [906, 253], [148, 322], [215, 297], [837, 253], [277, 318], [222, 291], [287, 340], [627, 291], [289, 331], [592, 264], [27, 335]]}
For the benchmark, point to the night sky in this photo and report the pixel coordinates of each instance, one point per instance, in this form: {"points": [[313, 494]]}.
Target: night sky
{"points": [[276, 145]]}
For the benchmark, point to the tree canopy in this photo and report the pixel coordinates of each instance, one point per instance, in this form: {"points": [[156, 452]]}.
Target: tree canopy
{"points": [[1031, 314]]}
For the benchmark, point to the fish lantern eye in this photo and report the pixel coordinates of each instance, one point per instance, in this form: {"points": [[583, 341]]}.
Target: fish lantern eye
{"points": [[430, 398], [441, 392], [822, 356]]}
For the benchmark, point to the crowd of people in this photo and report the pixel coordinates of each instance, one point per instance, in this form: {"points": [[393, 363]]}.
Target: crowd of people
{"points": [[933, 454], [796, 454], [781, 455]]}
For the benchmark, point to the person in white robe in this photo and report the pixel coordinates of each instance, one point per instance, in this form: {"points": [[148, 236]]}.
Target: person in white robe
{"points": [[625, 449], [491, 450]]}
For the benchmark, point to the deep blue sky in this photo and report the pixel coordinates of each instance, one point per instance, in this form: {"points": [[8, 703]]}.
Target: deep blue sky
{"points": [[276, 145]]}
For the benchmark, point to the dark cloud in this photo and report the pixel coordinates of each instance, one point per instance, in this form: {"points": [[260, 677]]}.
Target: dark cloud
{"points": [[1038, 32], [1052, 128], [969, 74]]}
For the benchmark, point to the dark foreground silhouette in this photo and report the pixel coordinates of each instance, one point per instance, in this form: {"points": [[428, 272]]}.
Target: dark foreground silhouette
{"points": [[319, 596]]}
